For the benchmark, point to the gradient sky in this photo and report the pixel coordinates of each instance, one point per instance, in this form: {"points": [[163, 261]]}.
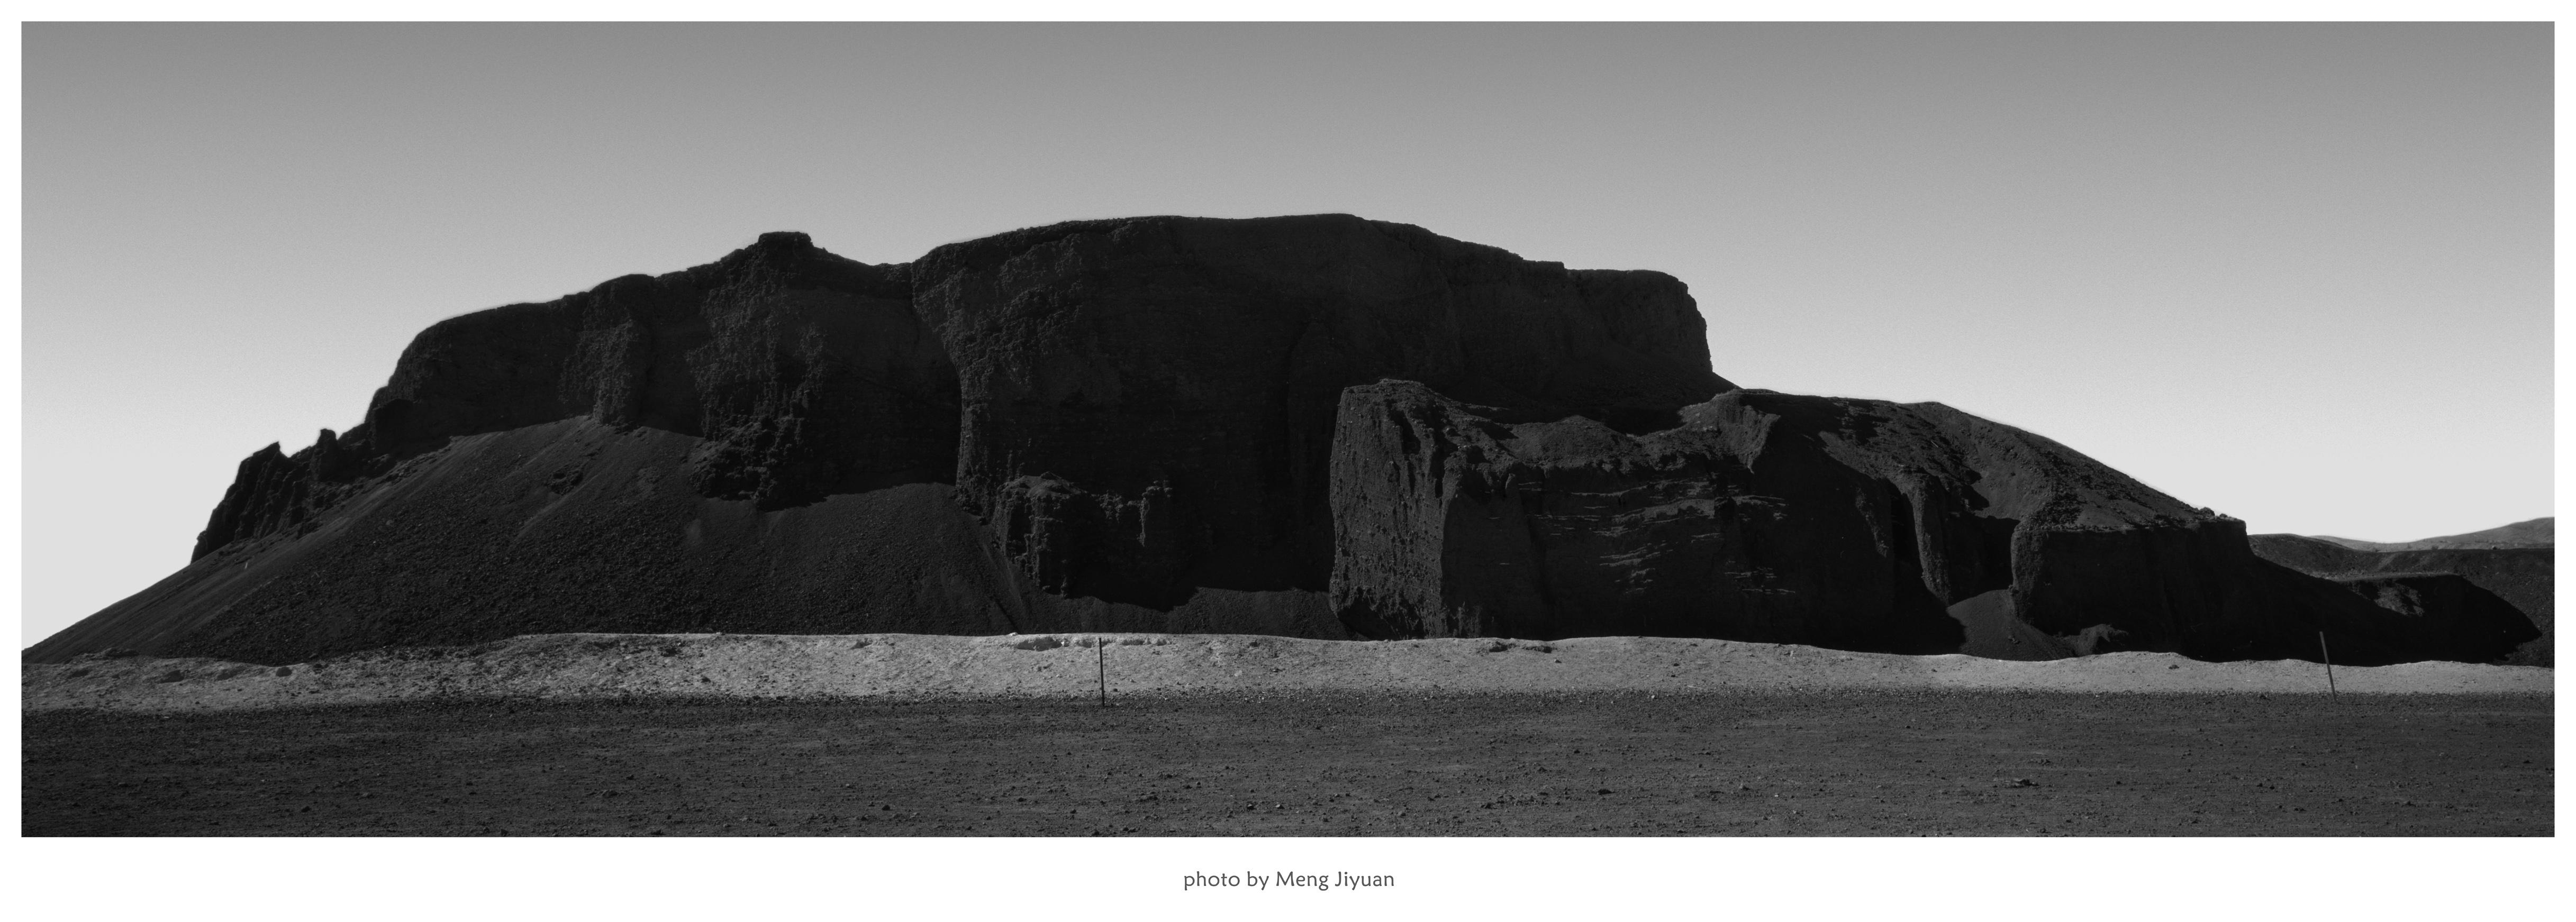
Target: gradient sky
{"points": [[2297, 273]]}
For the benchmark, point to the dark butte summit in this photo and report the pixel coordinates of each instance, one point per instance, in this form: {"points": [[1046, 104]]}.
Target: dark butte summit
{"points": [[1314, 426]]}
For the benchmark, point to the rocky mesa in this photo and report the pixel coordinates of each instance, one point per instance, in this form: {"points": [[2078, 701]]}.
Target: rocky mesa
{"points": [[1316, 426]]}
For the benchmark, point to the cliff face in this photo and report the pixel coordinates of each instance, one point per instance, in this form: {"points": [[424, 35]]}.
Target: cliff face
{"points": [[1317, 426], [1453, 523], [1148, 406], [1843, 523]]}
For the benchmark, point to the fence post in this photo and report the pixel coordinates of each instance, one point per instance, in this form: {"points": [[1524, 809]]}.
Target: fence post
{"points": [[2329, 657]]}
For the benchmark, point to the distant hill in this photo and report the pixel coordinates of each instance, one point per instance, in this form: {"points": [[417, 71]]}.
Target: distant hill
{"points": [[2540, 532]]}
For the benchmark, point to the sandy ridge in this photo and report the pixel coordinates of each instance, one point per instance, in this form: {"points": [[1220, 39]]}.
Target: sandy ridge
{"points": [[1067, 665]]}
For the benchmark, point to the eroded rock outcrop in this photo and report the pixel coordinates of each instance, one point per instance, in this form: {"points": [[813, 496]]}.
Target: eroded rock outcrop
{"points": [[2444, 615], [1148, 405], [1846, 523], [805, 375], [2523, 577], [1314, 426]]}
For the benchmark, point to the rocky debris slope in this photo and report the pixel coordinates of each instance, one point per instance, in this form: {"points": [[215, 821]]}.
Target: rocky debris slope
{"points": [[612, 666], [2524, 578], [1316, 426], [575, 525], [802, 374]]}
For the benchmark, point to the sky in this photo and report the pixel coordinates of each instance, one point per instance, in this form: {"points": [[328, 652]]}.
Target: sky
{"points": [[2299, 273]]}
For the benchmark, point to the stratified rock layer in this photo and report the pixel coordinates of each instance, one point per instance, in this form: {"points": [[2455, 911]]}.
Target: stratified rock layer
{"points": [[1314, 426]]}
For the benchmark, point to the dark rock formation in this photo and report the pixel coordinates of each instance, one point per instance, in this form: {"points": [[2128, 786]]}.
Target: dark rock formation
{"points": [[1148, 405], [805, 375], [1453, 523], [1316, 426], [578, 526], [2444, 615], [2523, 577], [1845, 523], [272, 492]]}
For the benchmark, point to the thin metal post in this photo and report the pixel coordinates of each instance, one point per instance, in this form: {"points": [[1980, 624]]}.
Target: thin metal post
{"points": [[1100, 654], [2329, 656]]}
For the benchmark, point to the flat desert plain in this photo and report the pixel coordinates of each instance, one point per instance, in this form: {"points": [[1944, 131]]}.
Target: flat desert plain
{"points": [[622, 735]]}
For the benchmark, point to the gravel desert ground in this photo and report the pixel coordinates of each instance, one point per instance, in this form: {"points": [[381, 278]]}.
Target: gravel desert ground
{"points": [[1242, 735], [903, 666], [1314, 764]]}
